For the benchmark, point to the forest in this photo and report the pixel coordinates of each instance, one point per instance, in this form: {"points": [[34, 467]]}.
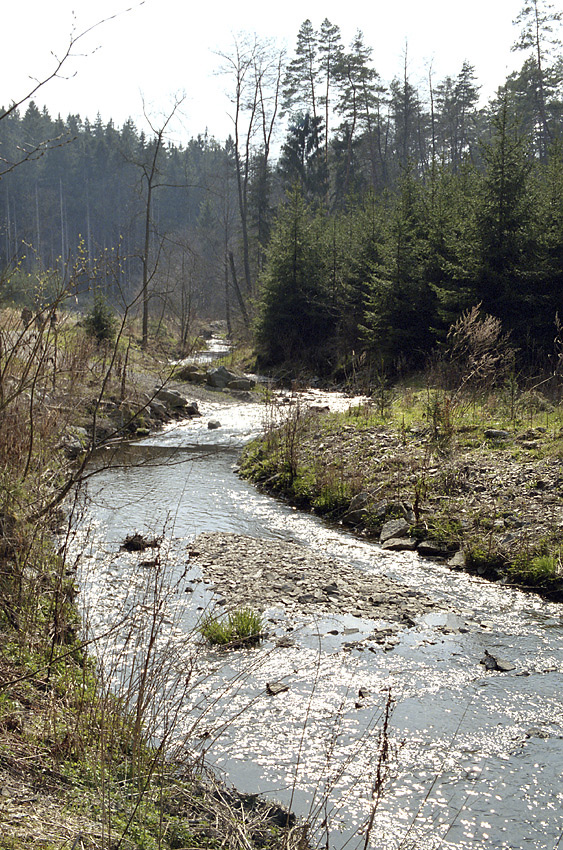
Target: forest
{"points": [[344, 217]]}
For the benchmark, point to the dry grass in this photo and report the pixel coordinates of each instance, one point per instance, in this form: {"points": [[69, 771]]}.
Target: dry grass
{"points": [[78, 762]]}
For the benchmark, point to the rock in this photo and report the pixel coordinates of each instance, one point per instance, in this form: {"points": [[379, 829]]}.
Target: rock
{"points": [[436, 548], [191, 372], [394, 528], [280, 816], [137, 543], [401, 544], [220, 377], [213, 424], [490, 662], [241, 384], [458, 561], [157, 409], [309, 598], [360, 500], [192, 409], [356, 509], [496, 434], [74, 443], [173, 399], [106, 430], [275, 688], [195, 377]]}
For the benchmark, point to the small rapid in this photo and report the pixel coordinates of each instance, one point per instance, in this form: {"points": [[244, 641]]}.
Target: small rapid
{"points": [[475, 755]]}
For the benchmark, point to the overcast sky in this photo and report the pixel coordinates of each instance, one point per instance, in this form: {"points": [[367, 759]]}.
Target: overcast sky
{"points": [[161, 49]]}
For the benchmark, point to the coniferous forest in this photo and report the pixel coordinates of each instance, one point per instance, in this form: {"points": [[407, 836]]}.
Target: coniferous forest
{"points": [[345, 215]]}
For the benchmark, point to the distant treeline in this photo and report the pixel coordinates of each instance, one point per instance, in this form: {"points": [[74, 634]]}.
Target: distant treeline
{"points": [[385, 212]]}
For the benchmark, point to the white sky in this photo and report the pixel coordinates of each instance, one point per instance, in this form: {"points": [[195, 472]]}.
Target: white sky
{"points": [[164, 48]]}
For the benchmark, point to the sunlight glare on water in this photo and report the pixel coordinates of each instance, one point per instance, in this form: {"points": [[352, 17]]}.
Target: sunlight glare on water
{"points": [[475, 756]]}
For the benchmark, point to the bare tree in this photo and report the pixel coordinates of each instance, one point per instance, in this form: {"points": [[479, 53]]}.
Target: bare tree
{"points": [[255, 69], [152, 178]]}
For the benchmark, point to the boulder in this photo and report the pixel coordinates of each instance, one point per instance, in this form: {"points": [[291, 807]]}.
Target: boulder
{"points": [[392, 510], [74, 443], [173, 399], [400, 544], [356, 509], [192, 409], [157, 409], [496, 434], [186, 370], [197, 378], [394, 528], [220, 377], [213, 424], [191, 373], [241, 384], [437, 548]]}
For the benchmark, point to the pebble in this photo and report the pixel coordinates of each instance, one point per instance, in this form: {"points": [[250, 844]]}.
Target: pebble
{"points": [[300, 580]]}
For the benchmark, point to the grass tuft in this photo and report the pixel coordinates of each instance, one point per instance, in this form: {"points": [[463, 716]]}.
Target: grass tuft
{"points": [[240, 627]]}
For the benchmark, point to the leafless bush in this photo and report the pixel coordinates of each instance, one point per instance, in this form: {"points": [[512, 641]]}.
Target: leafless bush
{"points": [[478, 354]]}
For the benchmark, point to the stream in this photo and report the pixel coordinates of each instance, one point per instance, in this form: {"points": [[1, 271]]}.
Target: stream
{"points": [[475, 755]]}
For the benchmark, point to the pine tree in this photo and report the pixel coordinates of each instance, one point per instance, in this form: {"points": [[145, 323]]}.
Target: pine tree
{"points": [[301, 160], [296, 320], [401, 305], [301, 82], [506, 250], [358, 106], [539, 21], [457, 120], [410, 123], [330, 55]]}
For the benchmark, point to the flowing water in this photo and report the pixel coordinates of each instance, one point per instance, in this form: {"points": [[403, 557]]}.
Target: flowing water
{"points": [[476, 756]]}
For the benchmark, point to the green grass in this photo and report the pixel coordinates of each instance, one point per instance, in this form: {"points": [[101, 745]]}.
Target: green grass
{"points": [[243, 626], [535, 569]]}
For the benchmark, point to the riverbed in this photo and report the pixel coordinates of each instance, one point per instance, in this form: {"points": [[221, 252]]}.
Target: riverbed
{"points": [[475, 754]]}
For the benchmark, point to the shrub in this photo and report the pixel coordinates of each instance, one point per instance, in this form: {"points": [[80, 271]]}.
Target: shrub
{"points": [[100, 322]]}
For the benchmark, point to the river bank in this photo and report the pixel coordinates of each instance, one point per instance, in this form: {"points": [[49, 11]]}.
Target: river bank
{"points": [[78, 764], [482, 497]]}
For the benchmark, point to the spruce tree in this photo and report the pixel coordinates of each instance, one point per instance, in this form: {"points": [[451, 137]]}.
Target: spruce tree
{"points": [[504, 216], [296, 319]]}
